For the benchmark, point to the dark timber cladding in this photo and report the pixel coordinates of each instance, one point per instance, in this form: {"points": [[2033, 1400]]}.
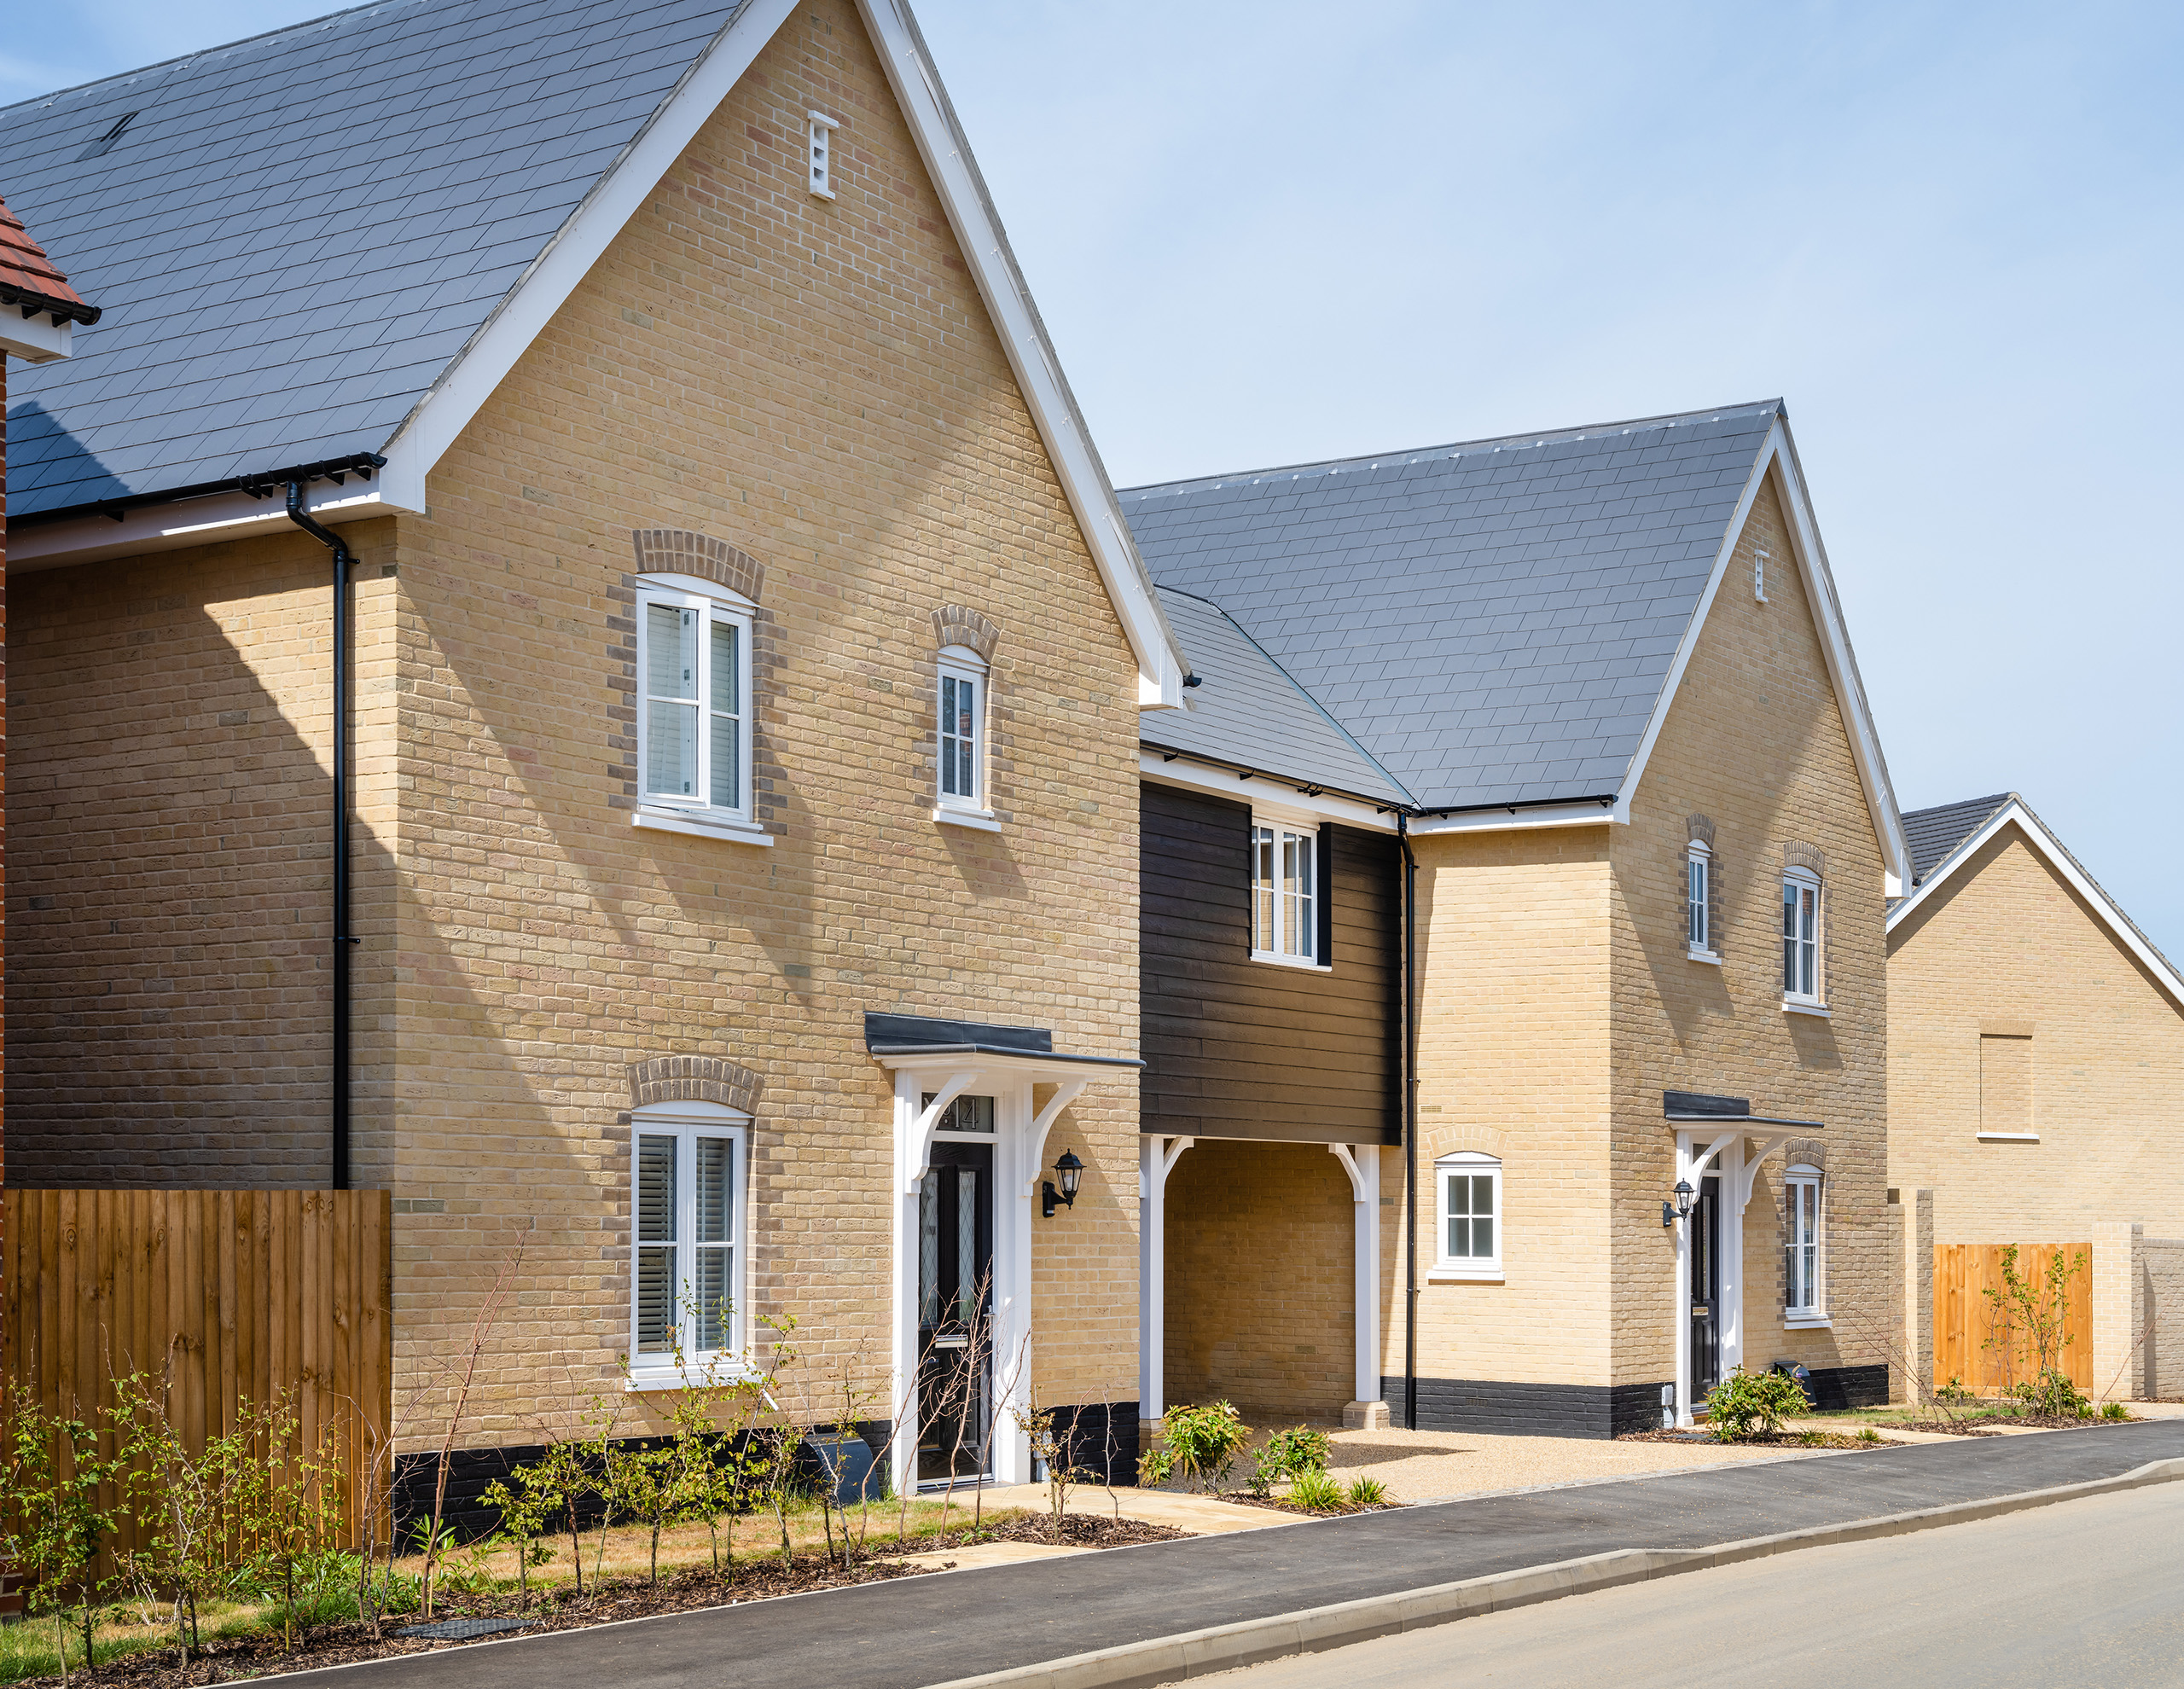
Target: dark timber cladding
{"points": [[1235, 1049]]}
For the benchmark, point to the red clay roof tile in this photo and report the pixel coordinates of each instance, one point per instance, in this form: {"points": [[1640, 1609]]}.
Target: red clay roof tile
{"points": [[28, 273]]}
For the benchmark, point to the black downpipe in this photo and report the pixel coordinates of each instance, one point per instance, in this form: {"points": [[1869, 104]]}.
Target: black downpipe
{"points": [[1409, 1073], [344, 564]]}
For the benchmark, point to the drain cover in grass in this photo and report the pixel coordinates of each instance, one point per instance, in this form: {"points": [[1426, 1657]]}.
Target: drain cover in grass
{"points": [[461, 1630]]}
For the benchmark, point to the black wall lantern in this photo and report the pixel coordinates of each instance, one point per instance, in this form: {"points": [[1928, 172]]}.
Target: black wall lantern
{"points": [[1681, 1208], [1072, 1170]]}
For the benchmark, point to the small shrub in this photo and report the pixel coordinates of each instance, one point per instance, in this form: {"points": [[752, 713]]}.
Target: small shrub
{"points": [[1289, 1454], [2115, 1410], [1745, 1405], [1953, 1393], [1317, 1492], [1366, 1492], [1199, 1444], [1868, 1434], [2053, 1394]]}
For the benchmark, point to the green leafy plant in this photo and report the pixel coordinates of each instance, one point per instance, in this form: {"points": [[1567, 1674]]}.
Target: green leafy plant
{"points": [[1746, 1405], [1316, 1492], [2115, 1410], [2054, 1395], [2028, 1318], [1199, 1444], [301, 1520], [1289, 1454], [1870, 1435], [1367, 1492], [60, 1473]]}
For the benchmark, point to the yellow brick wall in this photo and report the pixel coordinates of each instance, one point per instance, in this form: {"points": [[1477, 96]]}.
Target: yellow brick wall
{"points": [[1755, 741], [1260, 1304], [816, 384], [170, 823], [1513, 1060], [2008, 949]]}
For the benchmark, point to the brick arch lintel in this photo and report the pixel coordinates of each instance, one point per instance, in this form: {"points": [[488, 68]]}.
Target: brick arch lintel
{"points": [[664, 1079], [675, 551], [956, 624], [1700, 828], [1805, 1151], [1798, 854]]}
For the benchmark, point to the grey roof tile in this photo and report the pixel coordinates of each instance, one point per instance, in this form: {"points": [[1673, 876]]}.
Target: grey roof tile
{"points": [[1491, 621], [286, 205], [1934, 834]]}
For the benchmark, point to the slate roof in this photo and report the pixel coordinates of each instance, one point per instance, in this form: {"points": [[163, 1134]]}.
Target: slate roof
{"points": [[1935, 834], [28, 277], [1492, 620], [295, 234], [1246, 710]]}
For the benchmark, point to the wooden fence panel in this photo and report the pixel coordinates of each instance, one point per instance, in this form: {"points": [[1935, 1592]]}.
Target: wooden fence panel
{"points": [[1975, 1342], [230, 1296]]}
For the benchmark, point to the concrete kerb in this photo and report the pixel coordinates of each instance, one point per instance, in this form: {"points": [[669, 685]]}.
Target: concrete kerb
{"points": [[1199, 1653]]}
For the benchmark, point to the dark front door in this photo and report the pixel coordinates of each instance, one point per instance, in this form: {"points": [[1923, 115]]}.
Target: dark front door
{"points": [[1706, 1289], [954, 1313]]}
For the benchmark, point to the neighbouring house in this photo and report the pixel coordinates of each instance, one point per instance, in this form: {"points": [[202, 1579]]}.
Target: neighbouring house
{"points": [[2037, 1072], [575, 664], [1567, 729]]}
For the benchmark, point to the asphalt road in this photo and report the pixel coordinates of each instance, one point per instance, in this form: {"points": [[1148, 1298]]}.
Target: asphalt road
{"points": [[912, 1632], [2084, 1591]]}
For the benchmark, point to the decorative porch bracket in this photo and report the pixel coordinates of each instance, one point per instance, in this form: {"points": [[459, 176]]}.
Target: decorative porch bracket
{"points": [[917, 1161], [1768, 1143], [1065, 1093]]}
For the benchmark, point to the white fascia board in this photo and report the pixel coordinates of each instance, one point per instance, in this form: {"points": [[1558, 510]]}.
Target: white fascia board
{"points": [[1278, 790], [2051, 850], [1778, 457], [1083, 477], [1521, 820], [434, 423], [192, 521], [36, 339]]}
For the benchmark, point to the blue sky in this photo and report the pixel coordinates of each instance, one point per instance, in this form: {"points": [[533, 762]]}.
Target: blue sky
{"points": [[1950, 237]]}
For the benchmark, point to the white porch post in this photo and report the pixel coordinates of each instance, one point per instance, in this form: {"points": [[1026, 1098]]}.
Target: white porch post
{"points": [[1156, 1160], [1014, 1162], [1362, 1163]]}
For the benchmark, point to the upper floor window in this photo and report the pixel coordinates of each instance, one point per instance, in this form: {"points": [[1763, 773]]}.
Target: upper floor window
{"points": [[1698, 886], [963, 729], [1470, 1242], [1801, 1267], [1285, 892], [687, 1180], [1801, 943], [694, 716]]}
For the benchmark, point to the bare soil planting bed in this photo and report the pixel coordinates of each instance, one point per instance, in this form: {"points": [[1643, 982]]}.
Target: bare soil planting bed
{"points": [[1756, 1440], [558, 1608]]}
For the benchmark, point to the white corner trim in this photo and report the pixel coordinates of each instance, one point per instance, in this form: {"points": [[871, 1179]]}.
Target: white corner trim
{"points": [[982, 820], [2050, 850], [1778, 457], [189, 521], [2007, 1137], [36, 339], [464, 385], [1077, 463], [1818, 1009], [663, 819]]}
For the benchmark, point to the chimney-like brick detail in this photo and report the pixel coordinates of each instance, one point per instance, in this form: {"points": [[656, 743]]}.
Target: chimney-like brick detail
{"points": [[953, 625], [666, 1079], [674, 551]]}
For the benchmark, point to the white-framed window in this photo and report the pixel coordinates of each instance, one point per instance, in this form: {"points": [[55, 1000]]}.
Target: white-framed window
{"points": [[689, 1171], [962, 722], [1467, 1188], [1697, 890], [821, 155], [1286, 893], [1801, 940], [1803, 1295], [694, 699]]}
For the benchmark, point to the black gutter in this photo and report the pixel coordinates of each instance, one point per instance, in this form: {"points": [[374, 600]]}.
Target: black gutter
{"points": [[34, 303], [1604, 799], [360, 464], [1244, 771], [344, 563], [1408, 1071]]}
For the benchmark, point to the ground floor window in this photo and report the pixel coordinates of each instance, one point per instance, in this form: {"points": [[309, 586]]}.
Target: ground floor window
{"points": [[1801, 1272], [1470, 1229], [687, 1176]]}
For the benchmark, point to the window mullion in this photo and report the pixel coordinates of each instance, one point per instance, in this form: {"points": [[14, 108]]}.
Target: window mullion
{"points": [[686, 1238]]}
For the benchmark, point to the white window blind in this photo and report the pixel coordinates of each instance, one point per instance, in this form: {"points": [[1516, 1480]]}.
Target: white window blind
{"points": [[694, 718], [686, 1199]]}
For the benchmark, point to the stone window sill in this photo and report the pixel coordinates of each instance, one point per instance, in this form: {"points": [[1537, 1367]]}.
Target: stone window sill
{"points": [[699, 824], [982, 820], [1818, 1009]]}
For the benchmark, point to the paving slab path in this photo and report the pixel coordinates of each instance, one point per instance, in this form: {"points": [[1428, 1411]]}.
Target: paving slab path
{"points": [[915, 1632]]}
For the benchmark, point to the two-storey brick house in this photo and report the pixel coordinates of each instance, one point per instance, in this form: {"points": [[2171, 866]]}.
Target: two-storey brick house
{"points": [[1559, 740], [689, 843]]}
